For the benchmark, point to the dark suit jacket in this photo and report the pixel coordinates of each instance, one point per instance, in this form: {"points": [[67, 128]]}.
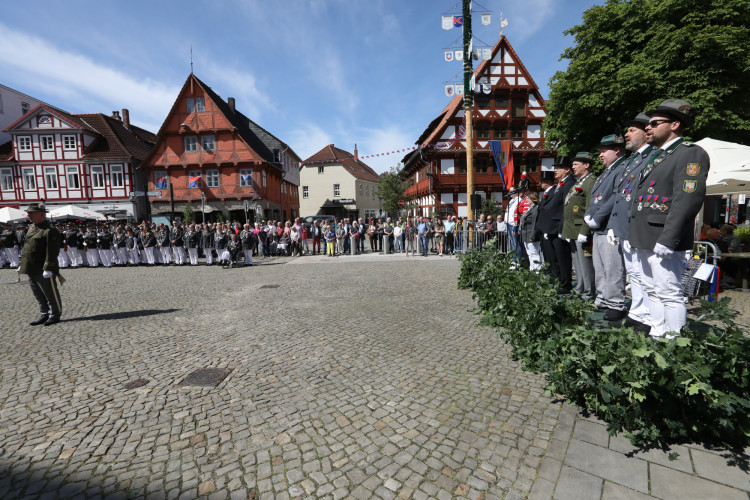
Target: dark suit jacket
{"points": [[677, 182], [550, 219]]}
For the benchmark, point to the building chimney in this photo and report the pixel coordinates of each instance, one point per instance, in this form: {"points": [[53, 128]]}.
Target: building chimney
{"points": [[126, 118], [230, 101], [116, 115], [356, 154]]}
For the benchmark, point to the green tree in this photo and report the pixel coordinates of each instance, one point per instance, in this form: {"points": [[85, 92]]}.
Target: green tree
{"points": [[390, 189], [187, 215], [630, 55]]}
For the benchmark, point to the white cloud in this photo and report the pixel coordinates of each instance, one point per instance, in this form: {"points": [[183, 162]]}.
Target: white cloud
{"points": [[307, 139], [228, 81], [526, 18], [386, 142]]}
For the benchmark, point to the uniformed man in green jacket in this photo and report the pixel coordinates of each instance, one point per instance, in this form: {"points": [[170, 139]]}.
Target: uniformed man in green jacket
{"points": [[39, 262], [577, 201]]}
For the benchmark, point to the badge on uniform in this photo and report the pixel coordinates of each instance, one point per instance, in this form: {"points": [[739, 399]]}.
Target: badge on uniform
{"points": [[689, 186], [693, 169], [575, 209]]}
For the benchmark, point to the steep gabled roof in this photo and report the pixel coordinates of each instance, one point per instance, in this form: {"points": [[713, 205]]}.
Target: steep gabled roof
{"points": [[355, 166], [72, 119], [116, 141]]}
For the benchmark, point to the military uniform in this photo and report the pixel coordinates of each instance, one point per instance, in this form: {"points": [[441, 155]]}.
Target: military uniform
{"points": [[119, 245], [164, 245], [670, 193], [91, 245], [176, 235], [39, 261], [575, 229], [148, 241], [247, 238], [105, 248], [192, 240], [72, 240], [207, 244], [10, 245]]}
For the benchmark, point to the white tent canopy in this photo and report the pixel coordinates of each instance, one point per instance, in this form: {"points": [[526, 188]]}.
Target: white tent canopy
{"points": [[74, 212], [730, 167], [10, 214]]}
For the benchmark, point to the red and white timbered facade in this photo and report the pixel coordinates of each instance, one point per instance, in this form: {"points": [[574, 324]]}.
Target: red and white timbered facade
{"points": [[83, 159]]}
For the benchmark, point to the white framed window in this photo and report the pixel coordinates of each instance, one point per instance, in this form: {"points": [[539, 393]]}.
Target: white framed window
{"points": [[6, 179], [116, 177], [24, 143], [212, 178], [29, 179], [276, 156], [367, 190], [74, 181], [361, 189], [195, 179], [200, 104], [373, 192], [47, 142], [50, 177], [208, 143], [97, 176], [190, 104], [246, 177], [161, 179], [337, 190], [24, 107], [69, 142], [320, 169], [191, 144], [305, 192], [265, 180]]}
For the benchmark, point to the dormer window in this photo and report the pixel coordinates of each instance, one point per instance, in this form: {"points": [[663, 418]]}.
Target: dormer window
{"points": [[45, 119], [190, 104], [24, 107], [200, 104], [276, 156]]}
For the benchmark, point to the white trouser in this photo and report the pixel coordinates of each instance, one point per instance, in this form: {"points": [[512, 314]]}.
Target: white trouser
{"points": [[193, 254], [149, 252], [133, 257], [92, 256], [661, 284], [62, 258], [3, 257], [12, 254], [106, 257], [209, 253], [166, 255], [121, 255], [534, 251], [179, 255], [639, 305], [248, 257], [73, 256]]}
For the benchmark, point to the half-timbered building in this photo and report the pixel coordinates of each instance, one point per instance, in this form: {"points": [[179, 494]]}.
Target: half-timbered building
{"points": [[216, 160], [508, 108], [61, 158]]}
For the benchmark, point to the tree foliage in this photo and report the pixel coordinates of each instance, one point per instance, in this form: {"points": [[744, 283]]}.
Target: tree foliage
{"points": [[630, 55], [390, 190]]}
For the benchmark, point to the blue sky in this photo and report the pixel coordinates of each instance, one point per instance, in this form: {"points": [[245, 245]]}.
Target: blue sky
{"points": [[312, 72]]}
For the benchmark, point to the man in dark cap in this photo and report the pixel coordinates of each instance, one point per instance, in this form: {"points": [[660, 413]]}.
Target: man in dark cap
{"points": [[39, 261], [551, 224], [575, 230], [670, 193], [609, 269], [619, 220]]}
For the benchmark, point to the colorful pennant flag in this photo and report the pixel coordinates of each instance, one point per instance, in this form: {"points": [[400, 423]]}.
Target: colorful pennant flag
{"points": [[161, 183], [195, 181], [486, 54], [447, 22], [460, 89], [458, 21], [476, 54], [459, 55], [449, 90], [448, 55], [485, 19], [246, 177], [502, 151]]}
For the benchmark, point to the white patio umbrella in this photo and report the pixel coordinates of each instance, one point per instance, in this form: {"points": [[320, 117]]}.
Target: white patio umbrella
{"points": [[730, 167], [74, 212], [10, 214]]}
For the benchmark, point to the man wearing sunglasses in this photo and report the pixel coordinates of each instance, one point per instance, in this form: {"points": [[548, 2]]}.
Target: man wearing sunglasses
{"points": [[669, 195]]}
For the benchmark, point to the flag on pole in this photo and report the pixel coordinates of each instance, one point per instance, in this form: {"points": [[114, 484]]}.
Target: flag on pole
{"points": [[476, 54], [458, 21], [161, 183], [486, 54], [461, 130], [502, 151], [460, 89], [485, 19], [459, 55], [448, 55], [447, 22], [195, 181]]}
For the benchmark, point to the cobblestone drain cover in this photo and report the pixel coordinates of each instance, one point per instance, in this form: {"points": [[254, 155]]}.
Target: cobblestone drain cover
{"points": [[270, 286], [206, 377], [135, 384]]}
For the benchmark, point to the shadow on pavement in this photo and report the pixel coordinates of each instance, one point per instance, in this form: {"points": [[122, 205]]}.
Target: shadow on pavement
{"points": [[122, 315]]}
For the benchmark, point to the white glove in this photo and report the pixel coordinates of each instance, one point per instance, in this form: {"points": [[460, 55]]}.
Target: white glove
{"points": [[582, 239], [47, 274], [545, 236], [626, 246], [590, 221], [662, 252], [559, 235], [611, 238]]}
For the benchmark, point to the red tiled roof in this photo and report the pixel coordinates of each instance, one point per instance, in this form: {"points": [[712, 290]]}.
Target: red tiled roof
{"points": [[355, 166], [116, 141]]}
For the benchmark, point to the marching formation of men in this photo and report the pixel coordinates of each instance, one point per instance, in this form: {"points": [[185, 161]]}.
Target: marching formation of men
{"points": [[636, 218]]}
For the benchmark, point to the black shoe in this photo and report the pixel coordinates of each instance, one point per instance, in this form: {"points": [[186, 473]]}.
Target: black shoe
{"points": [[39, 321], [52, 320], [614, 315]]}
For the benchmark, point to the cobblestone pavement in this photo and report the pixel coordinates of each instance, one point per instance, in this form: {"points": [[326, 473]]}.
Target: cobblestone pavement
{"points": [[366, 380], [358, 377]]}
